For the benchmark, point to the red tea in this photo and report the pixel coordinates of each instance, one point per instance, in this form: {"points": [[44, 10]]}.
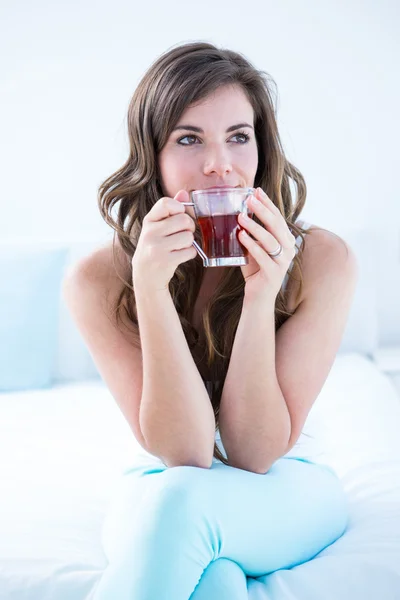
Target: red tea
{"points": [[220, 236]]}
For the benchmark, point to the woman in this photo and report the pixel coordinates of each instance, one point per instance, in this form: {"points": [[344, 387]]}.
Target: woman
{"points": [[194, 520]]}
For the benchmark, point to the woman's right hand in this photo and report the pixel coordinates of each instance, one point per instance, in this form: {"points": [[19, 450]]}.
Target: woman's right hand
{"points": [[164, 242]]}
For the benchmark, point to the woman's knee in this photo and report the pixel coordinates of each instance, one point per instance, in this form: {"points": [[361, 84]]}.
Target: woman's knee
{"points": [[227, 569], [223, 579], [333, 502], [185, 489], [339, 506], [164, 503]]}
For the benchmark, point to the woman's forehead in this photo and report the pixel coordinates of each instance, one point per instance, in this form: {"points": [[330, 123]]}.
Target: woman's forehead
{"points": [[219, 101]]}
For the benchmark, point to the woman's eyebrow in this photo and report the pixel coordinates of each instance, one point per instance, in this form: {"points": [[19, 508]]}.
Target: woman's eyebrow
{"points": [[199, 130]]}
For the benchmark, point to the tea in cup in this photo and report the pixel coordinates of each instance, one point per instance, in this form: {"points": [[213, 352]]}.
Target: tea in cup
{"points": [[216, 211]]}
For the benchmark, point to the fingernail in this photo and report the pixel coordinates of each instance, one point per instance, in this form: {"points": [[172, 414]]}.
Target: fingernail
{"points": [[262, 192]]}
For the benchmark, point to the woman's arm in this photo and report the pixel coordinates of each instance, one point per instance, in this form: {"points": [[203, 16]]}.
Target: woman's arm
{"points": [[254, 421], [176, 416]]}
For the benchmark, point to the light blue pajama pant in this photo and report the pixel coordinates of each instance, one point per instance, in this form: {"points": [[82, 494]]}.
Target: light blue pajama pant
{"points": [[174, 533]]}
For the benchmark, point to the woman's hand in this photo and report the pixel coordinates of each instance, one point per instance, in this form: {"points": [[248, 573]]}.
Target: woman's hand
{"points": [[165, 241], [264, 274]]}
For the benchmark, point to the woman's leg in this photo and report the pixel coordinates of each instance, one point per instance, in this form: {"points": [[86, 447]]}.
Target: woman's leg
{"points": [[223, 579], [169, 524]]}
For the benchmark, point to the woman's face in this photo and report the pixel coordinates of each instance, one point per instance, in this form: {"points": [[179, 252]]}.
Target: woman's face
{"points": [[195, 160]]}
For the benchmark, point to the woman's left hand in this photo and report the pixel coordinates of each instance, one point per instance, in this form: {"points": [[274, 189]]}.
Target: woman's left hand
{"points": [[264, 274]]}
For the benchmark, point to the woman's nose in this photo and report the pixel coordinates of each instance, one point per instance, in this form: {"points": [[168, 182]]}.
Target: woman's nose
{"points": [[217, 160]]}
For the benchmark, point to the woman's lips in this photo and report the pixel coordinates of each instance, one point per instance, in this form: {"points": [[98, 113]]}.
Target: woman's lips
{"points": [[213, 187]]}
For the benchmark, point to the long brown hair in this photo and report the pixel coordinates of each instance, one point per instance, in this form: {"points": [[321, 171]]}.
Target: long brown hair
{"points": [[184, 75]]}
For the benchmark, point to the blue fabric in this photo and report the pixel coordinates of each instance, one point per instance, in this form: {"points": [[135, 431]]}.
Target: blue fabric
{"points": [[206, 534], [29, 317]]}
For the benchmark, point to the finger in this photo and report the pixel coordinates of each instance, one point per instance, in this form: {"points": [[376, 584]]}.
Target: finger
{"points": [[182, 196], [166, 207], [266, 201], [254, 248], [252, 227], [262, 213], [260, 206], [266, 240], [274, 223]]}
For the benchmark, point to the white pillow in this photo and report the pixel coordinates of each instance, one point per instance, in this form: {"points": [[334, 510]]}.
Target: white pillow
{"points": [[362, 333], [356, 417], [31, 277]]}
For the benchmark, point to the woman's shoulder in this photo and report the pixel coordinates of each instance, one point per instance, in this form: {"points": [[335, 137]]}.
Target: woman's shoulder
{"points": [[319, 244], [321, 248], [103, 269], [108, 260]]}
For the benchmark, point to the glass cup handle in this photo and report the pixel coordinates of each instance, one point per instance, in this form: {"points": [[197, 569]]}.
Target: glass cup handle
{"points": [[195, 244]]}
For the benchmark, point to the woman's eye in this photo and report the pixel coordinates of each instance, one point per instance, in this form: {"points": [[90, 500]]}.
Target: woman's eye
{"points": [[185, 138], [244, 137]]}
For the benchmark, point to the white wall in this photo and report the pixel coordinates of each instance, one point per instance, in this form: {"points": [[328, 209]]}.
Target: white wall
{"points": [[69, 71]]}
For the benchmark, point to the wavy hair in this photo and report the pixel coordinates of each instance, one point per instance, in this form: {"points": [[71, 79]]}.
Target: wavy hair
{"points": [[178, 78]]}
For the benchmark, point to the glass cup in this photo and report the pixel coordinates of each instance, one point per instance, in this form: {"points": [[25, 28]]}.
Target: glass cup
{"points": [[216, 211]]}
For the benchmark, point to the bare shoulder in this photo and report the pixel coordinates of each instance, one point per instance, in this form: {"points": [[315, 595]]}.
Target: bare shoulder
{"points": [[101, 266], [100, 272], [326, 254]]}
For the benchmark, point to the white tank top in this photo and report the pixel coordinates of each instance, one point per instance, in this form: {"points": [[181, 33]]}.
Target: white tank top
{"points": [[298, 243]]}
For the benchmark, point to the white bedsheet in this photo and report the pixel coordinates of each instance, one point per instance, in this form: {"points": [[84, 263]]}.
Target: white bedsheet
{"points": [[64, 449]]}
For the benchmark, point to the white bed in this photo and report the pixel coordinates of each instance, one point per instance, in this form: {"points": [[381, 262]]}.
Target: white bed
{"points": [[64, 449]]}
